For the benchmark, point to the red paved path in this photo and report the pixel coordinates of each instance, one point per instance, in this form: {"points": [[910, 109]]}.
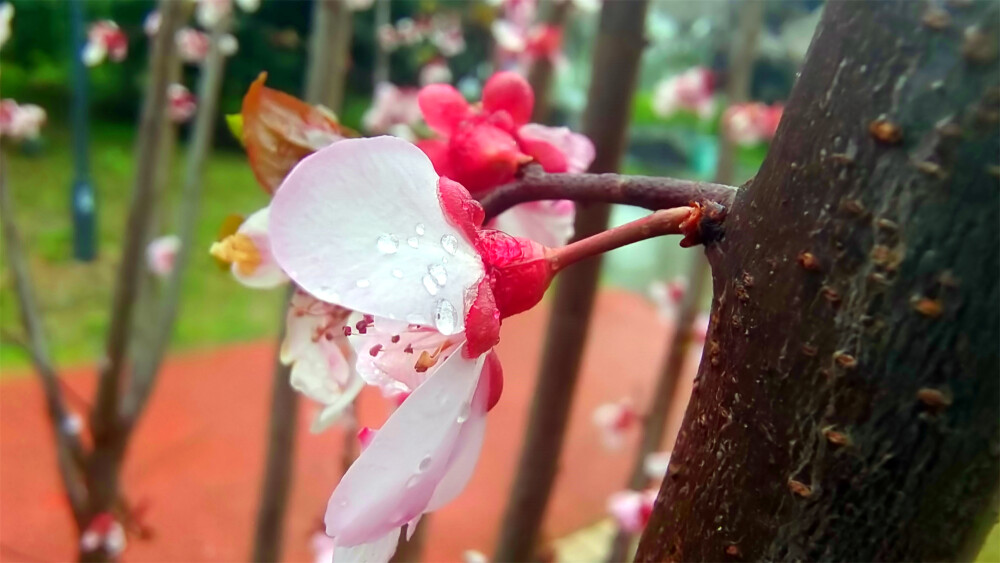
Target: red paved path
{"points": [[198, 453]]}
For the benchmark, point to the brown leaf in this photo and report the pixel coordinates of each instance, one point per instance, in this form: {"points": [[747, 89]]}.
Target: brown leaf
{"points": [[280, 130]]}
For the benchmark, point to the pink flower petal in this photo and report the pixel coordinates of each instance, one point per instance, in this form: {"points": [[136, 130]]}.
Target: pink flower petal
{"points": [[359, 224], [469, 445], [395, 477], [576, 149], [510, 92], [546, 222], [443, 107]]}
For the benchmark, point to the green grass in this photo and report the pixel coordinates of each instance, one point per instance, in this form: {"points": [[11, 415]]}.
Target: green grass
{"points": [[76, 297]]}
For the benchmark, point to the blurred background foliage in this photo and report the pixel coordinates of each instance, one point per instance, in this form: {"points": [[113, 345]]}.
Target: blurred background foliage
{"points": [[36, 69]]}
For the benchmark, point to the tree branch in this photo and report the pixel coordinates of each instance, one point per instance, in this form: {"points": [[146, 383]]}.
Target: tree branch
{"points": [[69, 450], [650, 192], [148, 361], [108, 440]]}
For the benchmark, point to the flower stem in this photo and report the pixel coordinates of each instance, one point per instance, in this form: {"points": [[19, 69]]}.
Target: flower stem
{"points": [[663, 222]]}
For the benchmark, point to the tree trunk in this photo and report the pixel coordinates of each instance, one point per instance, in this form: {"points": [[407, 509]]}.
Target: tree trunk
{"points": [[620, 43], [847, 403]]}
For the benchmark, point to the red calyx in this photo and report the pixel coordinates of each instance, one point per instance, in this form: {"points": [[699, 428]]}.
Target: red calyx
{"points": [[517, 270]]}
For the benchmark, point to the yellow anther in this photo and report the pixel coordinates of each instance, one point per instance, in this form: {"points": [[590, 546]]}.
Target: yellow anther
{"points": [[238, 249]]}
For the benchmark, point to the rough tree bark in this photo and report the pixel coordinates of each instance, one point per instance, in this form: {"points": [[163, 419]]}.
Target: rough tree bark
{"points": [[750, 15], [846, 407], [329, 49], [620, 42]]}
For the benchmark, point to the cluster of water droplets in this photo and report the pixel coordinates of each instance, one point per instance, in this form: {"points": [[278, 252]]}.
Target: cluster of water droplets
{"points": [[433, 281]]}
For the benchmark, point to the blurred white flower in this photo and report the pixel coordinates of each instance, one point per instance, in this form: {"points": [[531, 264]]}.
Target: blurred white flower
{"points": [[691, 90], [655, 465], [632, 509], [436, 71], [151, 24], [615, 420], [181, 103], [161, 254], [6, 15], [105, 40], [20, 122], [210, 12]]}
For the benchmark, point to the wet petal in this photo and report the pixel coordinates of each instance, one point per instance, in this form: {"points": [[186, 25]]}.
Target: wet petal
{"points": [[394, 478], [398, 358], [359, 224], [469, 445]]}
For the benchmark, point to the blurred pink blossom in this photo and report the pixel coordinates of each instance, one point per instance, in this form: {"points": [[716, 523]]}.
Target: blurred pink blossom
{"points": [[632, 509], [162, 253], [193, 45], [615, 421], [751, 123], [435, 72], [103, 531], [691, 91], [392, 106], [181, 103], [21, 121], [105, 40], [667, 295]]}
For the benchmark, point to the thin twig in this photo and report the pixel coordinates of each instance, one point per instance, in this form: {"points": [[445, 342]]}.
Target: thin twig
{"points": [[69, 450], [149, 359], [650, 192], [109, 437]]}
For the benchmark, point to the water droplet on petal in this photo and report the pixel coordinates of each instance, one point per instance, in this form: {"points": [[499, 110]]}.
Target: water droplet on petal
{"points": [[439, 274], [420, 229], [397, 273], [424, 464], [363, 283], [445, 317], [387, 244], [413, 242], [464, 414], [412, 481], [449, 243], [430, 286]]}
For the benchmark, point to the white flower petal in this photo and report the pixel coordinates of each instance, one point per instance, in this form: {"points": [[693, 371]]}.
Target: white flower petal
{"points": [[267, 274], [395, 477], [359, 224], [378, 551]]}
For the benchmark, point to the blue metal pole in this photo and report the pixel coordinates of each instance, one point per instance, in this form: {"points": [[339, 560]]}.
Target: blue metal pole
{"points": [[82, 200]]}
